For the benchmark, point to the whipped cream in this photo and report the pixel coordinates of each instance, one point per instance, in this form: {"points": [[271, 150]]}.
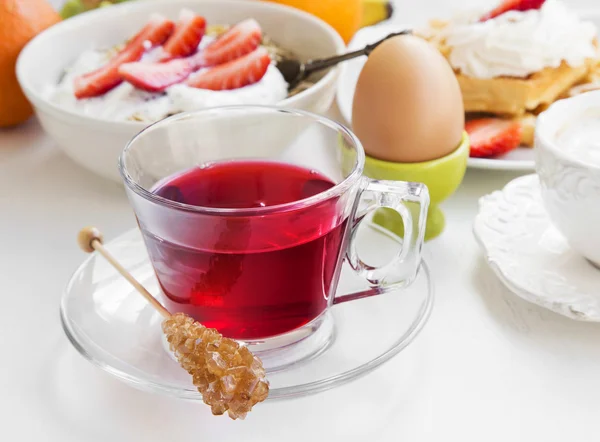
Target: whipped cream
{"points": [[580, 138], [125, 102], [517, 44]]}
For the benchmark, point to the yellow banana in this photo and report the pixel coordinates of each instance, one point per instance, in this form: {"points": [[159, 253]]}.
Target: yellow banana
{"points": [[375, 11]]}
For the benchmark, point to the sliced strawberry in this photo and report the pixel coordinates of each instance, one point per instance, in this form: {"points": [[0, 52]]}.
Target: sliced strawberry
{"points": [[102, 80], [238, 41], [156, 77], [493, 136], [187, 36], [513, 5], [235, 74]]}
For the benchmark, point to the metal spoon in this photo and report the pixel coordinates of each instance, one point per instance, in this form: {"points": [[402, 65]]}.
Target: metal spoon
{"points": [[294, 71]]}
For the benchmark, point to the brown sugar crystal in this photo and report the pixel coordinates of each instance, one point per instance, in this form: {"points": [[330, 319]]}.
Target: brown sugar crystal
{"points": [[230, 378]]}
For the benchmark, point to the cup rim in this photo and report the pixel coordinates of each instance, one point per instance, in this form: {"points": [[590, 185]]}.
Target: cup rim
{"points": [[336, 190], [556, 115]]}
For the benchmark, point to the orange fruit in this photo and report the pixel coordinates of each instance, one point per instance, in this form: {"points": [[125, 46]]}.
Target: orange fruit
{"points": [[20, 22], [343, 15]]}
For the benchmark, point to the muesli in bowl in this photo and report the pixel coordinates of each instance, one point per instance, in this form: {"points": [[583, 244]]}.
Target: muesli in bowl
{"points": [[168, 67], [94, 130]]}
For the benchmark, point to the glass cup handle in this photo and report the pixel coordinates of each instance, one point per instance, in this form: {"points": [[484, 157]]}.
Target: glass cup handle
{"points": [[411, 201]]}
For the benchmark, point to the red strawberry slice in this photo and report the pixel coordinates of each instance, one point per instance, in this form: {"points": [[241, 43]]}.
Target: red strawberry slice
{"points": [[513, 5], [235, 74], [156, 77], [187, 36], [238, 41], [492, 136], [107, 77]]}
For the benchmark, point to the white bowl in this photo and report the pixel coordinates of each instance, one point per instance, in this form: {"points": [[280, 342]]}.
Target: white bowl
{"points": [[570, 186], [96, 144]]}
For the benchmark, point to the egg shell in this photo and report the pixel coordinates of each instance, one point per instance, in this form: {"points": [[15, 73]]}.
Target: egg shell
{"points": [[407, 105]]}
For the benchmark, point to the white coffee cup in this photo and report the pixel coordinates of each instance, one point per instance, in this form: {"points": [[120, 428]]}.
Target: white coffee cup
{"points": [[567, 151]]}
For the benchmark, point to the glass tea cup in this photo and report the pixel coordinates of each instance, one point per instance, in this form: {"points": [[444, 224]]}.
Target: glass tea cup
{"points": [[248, 213]]}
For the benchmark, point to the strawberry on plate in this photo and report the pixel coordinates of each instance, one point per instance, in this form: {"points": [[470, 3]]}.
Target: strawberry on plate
{"points": [[513, 5], [186, 37], [107, 77], [156, 77], [238, 41], [243, 71], [491, 137]]}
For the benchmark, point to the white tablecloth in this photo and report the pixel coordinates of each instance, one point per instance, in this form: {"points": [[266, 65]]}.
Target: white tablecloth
{"points": [[488, 366]]}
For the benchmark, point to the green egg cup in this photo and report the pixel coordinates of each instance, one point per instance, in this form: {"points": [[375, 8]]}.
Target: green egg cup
{"points": [[441, 176]]}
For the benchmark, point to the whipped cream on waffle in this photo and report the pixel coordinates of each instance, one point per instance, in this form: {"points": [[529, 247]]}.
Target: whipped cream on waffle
{"points": [[518, 44]]}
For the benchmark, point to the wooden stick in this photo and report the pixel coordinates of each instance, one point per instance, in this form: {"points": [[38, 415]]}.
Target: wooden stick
{"points": [[90, 239]]}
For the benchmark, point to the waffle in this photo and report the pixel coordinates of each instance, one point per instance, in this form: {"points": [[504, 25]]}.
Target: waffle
{"points": [[511, 96], [516, 96], [590, 83], [594, 74], [528, 126]]}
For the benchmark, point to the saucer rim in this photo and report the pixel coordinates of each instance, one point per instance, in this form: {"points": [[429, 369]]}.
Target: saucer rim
{"points": [[299, 390]]}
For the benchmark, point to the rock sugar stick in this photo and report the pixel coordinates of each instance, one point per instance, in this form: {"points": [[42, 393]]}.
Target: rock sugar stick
{"points": [[230, 378]]}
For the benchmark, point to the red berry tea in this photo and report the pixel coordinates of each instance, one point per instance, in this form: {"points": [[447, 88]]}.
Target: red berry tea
{"points": [[256, 275]]}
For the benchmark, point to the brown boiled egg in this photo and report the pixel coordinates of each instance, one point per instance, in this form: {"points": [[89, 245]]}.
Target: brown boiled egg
{"points": [[407, 105]]}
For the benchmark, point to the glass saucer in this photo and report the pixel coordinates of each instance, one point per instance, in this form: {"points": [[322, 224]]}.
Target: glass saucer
{"points": [[116, 329]]}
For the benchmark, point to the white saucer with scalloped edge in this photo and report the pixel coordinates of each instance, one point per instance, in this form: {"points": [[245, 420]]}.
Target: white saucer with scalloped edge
{"points": [[531, 257]]}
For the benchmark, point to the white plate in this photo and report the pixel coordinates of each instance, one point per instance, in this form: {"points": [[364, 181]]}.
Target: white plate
{"points": [[531, 257], [521, 159]]}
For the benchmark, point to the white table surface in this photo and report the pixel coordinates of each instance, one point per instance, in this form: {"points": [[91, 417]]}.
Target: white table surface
{"points": [[488, 366]]}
